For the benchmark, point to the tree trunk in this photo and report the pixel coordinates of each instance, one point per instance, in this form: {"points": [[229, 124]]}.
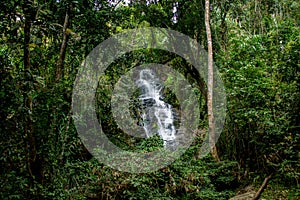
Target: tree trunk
{"points": [[210, 81], [63, 48], [27, 28], [32, 164]]}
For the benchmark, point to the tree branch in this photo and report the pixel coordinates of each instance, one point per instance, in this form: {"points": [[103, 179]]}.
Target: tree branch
{"points": [[262, 187]]}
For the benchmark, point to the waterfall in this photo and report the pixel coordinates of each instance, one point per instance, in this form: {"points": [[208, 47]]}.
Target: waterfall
{"points": [[157, 115]]}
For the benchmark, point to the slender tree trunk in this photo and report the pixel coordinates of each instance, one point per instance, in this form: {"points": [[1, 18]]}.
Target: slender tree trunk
{"points": [[210, 82], [33, 165], [27, 28], [63, 48], [223, 26]]}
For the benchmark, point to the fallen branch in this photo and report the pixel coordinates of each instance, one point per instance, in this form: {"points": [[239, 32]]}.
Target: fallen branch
{"points": [[262, 187]]}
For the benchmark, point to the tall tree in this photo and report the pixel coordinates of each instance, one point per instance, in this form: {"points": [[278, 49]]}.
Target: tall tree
{"points": [[210, 82], [29, 14]]}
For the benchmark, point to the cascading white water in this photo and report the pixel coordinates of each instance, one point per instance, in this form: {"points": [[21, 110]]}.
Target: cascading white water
{"points": [[157, 115]]}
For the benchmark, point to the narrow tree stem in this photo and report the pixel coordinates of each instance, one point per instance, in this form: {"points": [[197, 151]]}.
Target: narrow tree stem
{"points": [[210, 81]]}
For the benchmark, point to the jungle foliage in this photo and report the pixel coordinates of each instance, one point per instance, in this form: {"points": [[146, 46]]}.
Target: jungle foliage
{"points": [[256, 48]]}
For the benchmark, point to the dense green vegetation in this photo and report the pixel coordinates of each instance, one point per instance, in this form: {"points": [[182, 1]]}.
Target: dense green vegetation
{"points": [[256, 48]]}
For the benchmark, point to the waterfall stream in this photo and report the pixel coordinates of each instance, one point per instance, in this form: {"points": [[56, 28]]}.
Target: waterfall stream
{"points": [[157, 115]]}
